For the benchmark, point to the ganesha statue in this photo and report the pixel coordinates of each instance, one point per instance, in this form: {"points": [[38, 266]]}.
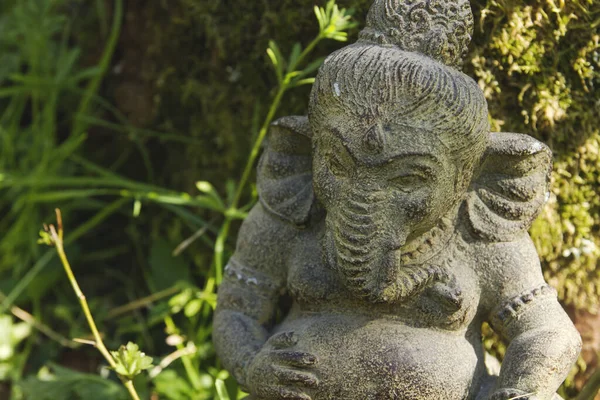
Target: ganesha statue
{"points": [[391, 225]]}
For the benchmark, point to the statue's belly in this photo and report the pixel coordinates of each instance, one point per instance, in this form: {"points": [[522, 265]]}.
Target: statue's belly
{"points": [[361, 358]]}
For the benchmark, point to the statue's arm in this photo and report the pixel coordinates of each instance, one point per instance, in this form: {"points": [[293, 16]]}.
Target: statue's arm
{"points": [[248, 298], [543, 343]]}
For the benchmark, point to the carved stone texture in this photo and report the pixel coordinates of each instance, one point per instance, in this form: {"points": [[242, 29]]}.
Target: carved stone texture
{"points": [[391, 225], [440, 29]]}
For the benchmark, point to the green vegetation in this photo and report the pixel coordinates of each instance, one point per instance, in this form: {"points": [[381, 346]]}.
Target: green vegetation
{"points": [[120, 114], [61, 171]]}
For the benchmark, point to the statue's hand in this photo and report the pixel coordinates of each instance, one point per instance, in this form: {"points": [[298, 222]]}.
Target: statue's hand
{"points": [[281, 372], [510, 394]]}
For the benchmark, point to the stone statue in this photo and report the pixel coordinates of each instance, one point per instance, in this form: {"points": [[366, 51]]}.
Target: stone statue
{"points": [[391, 225]]}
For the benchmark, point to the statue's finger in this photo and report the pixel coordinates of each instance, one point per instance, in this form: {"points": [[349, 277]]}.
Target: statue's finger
{"points": [[291, 394], [296, 358], [286, 375], [283, 340]]}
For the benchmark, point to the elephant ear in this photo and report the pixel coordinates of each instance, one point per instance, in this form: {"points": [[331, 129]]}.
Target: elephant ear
{"points": [[285, 171], [511, 189]]}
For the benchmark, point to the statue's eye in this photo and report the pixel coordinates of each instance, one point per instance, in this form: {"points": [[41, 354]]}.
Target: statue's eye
{"points": [[408, 183], [336, 167]]}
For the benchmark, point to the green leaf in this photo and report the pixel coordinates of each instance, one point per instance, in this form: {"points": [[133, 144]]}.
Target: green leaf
{"points": [[173, 387], [312, 67], [20, 331], [68, 384], [319, 13], [277, 59], [230, 189], [221, 390], [45, 238], [85, 74], [236, 214], [210, 202], [7, 348], [301, 82], [340, 37], [333, 21], [11, 334], [137, 208], [66, 64], [56, 196], [205, 187], [296, 51], [273, 58], [179, 301], [192, 308], [131, 361], [14, 91], [208, 189], [276, 65], [330, 6], [166, 270]]}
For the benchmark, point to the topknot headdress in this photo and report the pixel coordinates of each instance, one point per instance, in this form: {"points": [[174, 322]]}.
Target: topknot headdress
{"points": [[440, 29]]}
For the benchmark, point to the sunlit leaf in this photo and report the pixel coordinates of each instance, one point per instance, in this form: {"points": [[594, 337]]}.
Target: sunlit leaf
{"points": [[205, 187], [307, 81], [131, 361], [277, 59], [192, 308], [221, 390], [320, 18], [137, 208]]}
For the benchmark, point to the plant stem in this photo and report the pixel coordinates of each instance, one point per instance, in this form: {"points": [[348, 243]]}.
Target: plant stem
{"points": [[257, 144], [131, 390], [47, 257], [134, 305], [309, 48], [190, 370], [58, 242], [283, 87], [224, 232], [219, 248], [177, 354], [591, 388], [57, 239]]}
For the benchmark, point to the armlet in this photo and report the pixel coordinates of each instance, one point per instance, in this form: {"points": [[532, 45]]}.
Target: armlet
{"points": [[249, 292], [243, 276], [512, 309]]}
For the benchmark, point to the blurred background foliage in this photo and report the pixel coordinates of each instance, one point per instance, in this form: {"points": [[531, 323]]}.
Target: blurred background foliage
{"points": [[113, 111]]}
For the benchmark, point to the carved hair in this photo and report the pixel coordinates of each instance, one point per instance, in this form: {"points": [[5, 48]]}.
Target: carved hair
{"points": [[440, 29], [365, 81]]}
